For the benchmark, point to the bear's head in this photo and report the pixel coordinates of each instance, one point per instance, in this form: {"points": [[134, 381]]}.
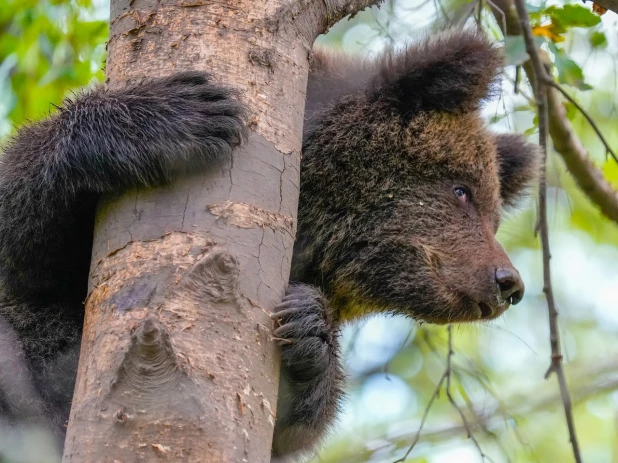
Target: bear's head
{"points": [[403, 187]]}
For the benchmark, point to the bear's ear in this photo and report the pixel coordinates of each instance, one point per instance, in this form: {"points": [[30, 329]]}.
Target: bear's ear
{"points": [[518, 165], [452, 72]]}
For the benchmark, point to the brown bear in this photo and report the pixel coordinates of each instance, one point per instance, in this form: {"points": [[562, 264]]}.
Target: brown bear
{"points": [[402, 190]]}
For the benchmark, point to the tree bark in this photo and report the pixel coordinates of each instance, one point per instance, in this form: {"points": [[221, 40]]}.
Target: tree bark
{"points": [[611, 5], [177, 361]]}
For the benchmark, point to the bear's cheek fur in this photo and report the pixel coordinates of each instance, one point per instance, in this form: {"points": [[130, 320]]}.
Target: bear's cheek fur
{"points": [[455, 263], [464, 275], [429, 259]]}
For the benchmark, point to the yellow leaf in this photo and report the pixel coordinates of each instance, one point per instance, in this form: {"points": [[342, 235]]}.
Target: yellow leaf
{"points": [[547, 31]]}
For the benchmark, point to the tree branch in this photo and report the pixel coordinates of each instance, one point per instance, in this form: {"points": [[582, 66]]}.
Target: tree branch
{"points": [[446, 376], [488, 419], [565, 141], [602, 379], [588, 176], [551, 82], [310, 18], [540, 87], [611, 5]]}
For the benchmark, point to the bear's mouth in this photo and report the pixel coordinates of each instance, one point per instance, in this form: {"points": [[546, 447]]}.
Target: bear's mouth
{"points": [[486, 311], [471, 311]]}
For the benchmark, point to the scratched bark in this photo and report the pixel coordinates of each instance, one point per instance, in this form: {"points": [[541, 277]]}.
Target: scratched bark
{"points": [[177, 363]]}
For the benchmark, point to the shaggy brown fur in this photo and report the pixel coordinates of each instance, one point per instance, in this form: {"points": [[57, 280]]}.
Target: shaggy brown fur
{"points": [[402, 189], [389, 146]]}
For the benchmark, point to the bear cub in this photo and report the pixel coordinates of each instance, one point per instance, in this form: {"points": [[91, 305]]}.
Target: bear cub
{"points": [[402, 191]]}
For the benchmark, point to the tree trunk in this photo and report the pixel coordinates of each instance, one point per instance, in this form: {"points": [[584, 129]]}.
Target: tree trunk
{"points": [[177, 360]]}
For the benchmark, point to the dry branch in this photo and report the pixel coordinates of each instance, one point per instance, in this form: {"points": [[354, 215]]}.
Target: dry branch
{"points": [[602, 379], [588, 176], [565, 141], [446, 376], [526, 405], [540, 92], [516, 22]]}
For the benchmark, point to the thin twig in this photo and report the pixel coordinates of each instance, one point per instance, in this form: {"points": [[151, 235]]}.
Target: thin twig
{"points": [[525, 404], [446, 375], [481, 417], [588, 176], [434, 396], [554, 335], [528, 98], [557, 86], [452, 400], [469, 10], [495, 8]]}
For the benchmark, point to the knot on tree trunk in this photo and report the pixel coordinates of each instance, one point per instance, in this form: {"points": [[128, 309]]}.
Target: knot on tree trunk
{"points": [[214, 277], [150, 363]]}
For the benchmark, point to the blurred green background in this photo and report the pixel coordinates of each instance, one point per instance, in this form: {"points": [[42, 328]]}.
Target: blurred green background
{"points": [[50, 48]]}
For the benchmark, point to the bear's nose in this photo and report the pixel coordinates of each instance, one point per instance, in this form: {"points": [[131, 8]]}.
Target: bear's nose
{"points": [[510, 285]]}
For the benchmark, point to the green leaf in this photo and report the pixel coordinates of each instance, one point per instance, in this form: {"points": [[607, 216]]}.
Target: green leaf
{"points": [[570, 73], [610, 169], [515, 50], [497, 118], [598, 39], [572, 16], [55, 48]]}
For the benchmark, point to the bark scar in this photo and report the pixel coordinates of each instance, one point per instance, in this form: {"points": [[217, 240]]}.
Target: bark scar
{"points": [[244, 215], [214, 277]]}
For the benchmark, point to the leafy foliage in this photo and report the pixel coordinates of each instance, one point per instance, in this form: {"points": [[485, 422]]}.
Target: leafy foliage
{"points": [[47, 47]]}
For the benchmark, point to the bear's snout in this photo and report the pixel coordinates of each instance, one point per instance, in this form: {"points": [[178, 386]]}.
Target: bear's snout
{"points": [[510, 286]]}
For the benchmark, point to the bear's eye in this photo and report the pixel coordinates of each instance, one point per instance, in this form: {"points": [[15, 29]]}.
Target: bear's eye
{"points": [[462, 194]]}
